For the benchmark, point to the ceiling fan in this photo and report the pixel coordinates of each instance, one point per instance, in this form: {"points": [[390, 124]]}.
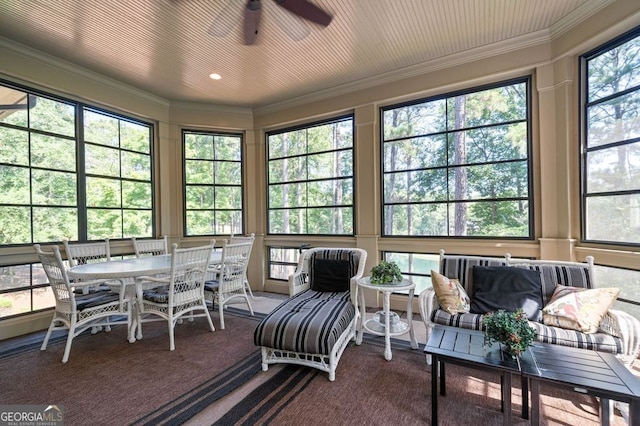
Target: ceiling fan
{"points": [[30, 103], [301, 8]]}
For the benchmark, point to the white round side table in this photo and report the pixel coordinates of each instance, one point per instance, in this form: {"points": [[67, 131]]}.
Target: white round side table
{"points": [[388, 328]]}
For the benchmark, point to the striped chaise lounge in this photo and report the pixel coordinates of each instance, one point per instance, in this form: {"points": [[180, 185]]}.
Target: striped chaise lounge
{"points": [[619, 332], [314, 326]]}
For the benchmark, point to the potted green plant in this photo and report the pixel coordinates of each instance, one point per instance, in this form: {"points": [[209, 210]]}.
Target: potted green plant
{"points": [[385, 273], [510, 329]]}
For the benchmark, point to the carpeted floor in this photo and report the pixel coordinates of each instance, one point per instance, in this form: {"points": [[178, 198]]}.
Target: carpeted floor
{"points": [[215, 378], [108, 381], [369, 390]]}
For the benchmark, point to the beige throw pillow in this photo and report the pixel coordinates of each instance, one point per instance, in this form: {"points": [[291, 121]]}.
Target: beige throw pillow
{"points": [[577, 308], [450, 294]]}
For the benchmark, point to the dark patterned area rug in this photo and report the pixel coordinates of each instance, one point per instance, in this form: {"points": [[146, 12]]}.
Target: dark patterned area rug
{"points": [[108, 381]]}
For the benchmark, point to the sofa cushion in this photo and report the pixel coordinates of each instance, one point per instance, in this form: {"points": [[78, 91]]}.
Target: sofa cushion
{"points": [[554, 274], [508, 288], [330, 275], [468, 321], [461, 268], [450, 294], [602, 342], [544, 333], [579, 309]]}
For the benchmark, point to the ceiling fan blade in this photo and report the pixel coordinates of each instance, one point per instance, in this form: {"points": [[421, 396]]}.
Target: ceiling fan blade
{"points": [[224, 21], [30, 103], [297, 29], [307, 10], [251, 21]]}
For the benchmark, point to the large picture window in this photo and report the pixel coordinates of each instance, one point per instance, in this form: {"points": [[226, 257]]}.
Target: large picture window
{"points": [[67, 170], [65, 180], [459, 165], [611, 142], [117, 166], [213, 183], [310, 179]]}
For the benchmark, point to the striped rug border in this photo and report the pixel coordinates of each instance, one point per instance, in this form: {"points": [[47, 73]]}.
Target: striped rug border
{"points": [[190, 403], [263, 404]]}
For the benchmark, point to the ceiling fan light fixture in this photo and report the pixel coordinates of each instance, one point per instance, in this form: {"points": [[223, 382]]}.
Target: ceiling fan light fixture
{"points": [[251, 21]]}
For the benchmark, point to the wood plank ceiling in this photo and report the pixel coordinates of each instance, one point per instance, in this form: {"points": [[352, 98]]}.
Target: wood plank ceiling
{"points": [[165, 47]]}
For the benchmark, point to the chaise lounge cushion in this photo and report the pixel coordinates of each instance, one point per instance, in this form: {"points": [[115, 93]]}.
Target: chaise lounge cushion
{"points": [[507, 288], [310, 322]]}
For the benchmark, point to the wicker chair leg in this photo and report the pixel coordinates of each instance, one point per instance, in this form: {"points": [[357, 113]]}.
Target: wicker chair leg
{"points": [[67, 347], [172, 344], [46, 337], [206, 314], [221, 309]]}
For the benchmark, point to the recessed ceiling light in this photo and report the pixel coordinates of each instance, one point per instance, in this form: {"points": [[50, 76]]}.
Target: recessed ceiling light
{"points": [[215, 76]]}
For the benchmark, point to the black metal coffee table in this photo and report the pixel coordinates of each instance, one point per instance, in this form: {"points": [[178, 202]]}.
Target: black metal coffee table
{"points": [[466, 347], [585, 371], [589, 372]]}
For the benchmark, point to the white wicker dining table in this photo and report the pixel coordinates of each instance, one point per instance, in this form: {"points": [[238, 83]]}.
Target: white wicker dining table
{"points": [[127, 270]]}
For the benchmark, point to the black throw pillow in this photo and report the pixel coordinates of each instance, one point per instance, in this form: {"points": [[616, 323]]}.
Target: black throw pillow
{"points": [[330, 275], [507, 288]]}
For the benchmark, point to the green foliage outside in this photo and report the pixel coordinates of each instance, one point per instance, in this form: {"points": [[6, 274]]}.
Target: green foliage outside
{"points": [[39, 174], [458, 166], [310, 180], [612, 209], [213, 179]]}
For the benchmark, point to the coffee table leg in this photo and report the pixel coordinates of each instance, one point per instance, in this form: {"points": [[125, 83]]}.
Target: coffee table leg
{"points": [[605, 411], [634, 412], [506, 398], [525, 397], [434, 390], [535, 401]]}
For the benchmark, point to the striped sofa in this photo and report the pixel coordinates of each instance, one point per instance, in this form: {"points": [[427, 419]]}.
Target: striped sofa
{"points": [[619, 332], [312, 328]]}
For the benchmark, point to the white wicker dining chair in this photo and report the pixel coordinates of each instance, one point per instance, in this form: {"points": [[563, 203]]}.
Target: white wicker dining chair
{"points": [[83, 253], [234, 239], [229, 283], [77, 311], [147, 247], [179, 293]]}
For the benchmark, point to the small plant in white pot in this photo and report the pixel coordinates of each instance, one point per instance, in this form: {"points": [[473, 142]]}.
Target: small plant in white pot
{"points": [[386, 273]]}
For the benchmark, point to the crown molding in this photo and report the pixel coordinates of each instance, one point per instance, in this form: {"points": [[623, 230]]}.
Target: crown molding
{"points": [[576, 16], [460, 58], [68, 67], [202, 107]]}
